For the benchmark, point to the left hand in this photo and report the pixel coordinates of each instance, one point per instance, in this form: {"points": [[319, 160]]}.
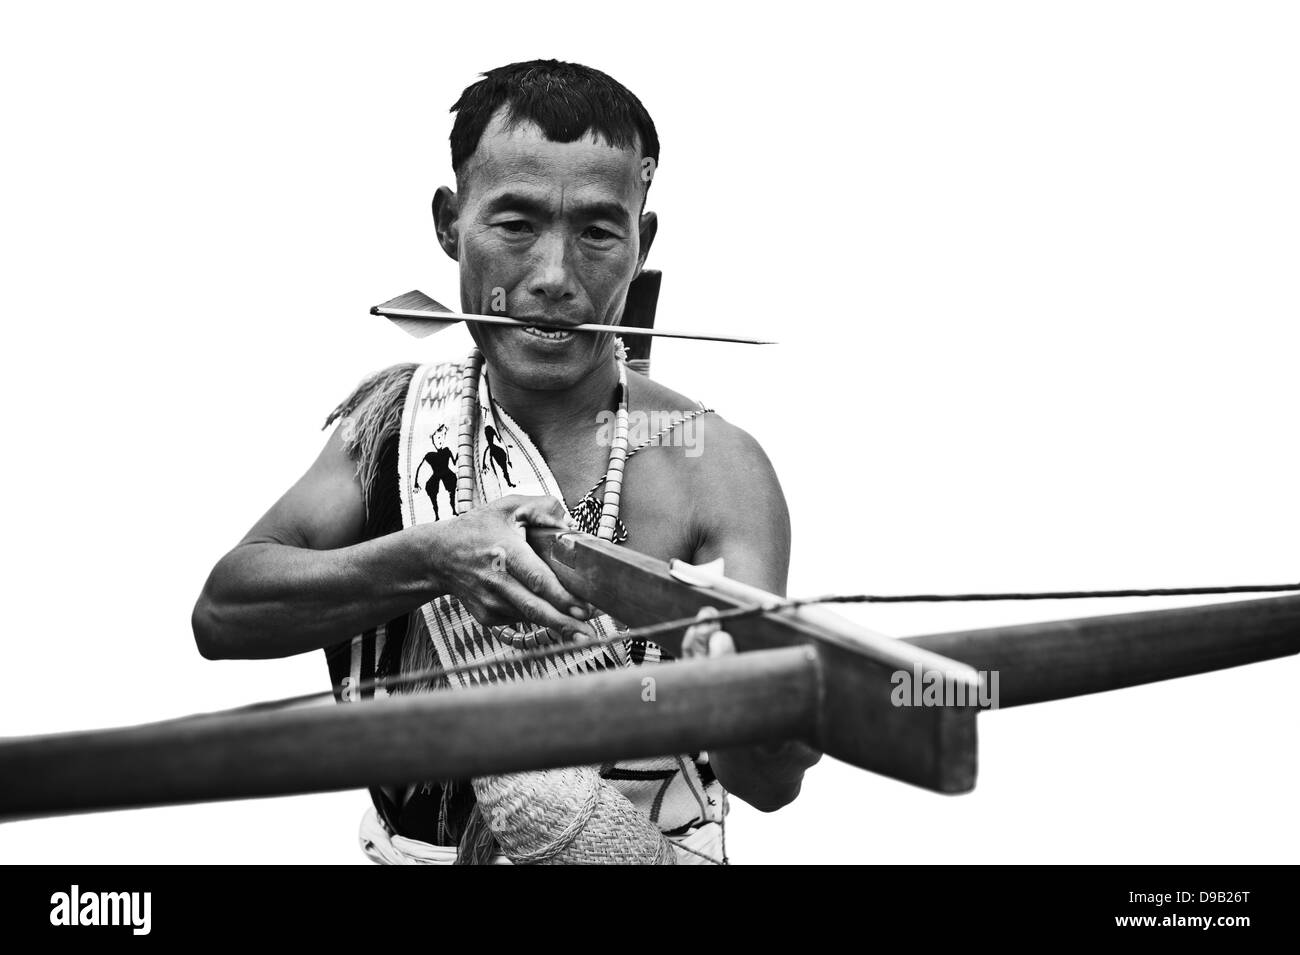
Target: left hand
{"points": [[766, 775], [707, 638]]}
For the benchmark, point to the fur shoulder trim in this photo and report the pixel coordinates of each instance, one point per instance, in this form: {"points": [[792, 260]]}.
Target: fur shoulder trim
{"points": [[369, 417]]}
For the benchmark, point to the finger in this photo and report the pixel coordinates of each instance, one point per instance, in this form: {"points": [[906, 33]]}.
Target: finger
{"points": [[535, 610], [721, 644], [488, 607], [694, 642], [555, 637], [541, 512], [531, 571], [696, 639]]}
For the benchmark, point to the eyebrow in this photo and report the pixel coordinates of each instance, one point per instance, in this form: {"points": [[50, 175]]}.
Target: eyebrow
{"points": [[603, 209], [516, 201], [599, 209]]}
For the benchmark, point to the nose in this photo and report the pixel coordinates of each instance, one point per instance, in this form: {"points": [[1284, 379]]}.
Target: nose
{"points": [[551, 282]]}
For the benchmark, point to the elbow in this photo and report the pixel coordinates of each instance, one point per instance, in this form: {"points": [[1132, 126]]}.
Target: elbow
{"points": [[770, 798], [767, 777], [771, 803]]}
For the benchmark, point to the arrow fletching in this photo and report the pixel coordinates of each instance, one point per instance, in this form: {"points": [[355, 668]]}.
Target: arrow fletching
{"points": [[414, 300]]}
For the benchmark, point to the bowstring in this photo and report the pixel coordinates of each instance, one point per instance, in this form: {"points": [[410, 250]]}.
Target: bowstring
{"points": [[741, 613], [541, 653]]}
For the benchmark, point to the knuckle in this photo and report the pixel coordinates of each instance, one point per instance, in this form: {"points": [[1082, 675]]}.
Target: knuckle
{"points": [[509, 504], [533, 609]]}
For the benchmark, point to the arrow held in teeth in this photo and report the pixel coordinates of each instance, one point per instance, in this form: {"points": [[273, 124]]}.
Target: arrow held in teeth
{"points": [[420, 316]]}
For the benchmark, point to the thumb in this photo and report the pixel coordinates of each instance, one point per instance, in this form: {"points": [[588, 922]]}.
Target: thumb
{"points": [[542, 512]]}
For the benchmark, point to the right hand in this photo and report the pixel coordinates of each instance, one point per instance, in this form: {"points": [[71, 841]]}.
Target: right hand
{"points": [[482, 559]]}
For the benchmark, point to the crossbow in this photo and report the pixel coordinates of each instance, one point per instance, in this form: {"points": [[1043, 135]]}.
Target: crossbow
{"points": [[802, 672]]}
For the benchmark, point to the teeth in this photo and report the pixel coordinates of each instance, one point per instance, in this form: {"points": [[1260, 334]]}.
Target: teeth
{"points": [[545, 333]]}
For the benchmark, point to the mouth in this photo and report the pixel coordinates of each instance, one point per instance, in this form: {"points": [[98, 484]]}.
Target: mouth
{"points": [[548, 334]]}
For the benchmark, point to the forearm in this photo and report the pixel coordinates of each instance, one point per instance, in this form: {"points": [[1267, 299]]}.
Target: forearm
{"points": [[767, 776], [266, 599]]}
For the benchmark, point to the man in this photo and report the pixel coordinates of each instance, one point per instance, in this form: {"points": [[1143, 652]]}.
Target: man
{"points": [[547, 222]]}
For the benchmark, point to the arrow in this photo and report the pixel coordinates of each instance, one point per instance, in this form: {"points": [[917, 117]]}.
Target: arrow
{"points": [[420, 316]]}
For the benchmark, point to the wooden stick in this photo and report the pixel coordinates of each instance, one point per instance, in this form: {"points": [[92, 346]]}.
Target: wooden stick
{"points": [[533, 725], [1064, 658]]}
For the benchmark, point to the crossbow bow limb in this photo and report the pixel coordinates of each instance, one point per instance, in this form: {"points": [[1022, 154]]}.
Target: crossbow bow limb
{"points": [[800, 673]]}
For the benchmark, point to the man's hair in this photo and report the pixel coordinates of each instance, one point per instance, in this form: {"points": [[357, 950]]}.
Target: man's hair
{"points": [[566, 100]]}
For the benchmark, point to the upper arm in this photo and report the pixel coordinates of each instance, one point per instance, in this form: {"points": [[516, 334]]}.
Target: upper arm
{"points": [[741, 513], [323, 510]]}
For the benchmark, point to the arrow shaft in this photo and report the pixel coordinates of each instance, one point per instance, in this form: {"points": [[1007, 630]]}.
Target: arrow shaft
{"points": [[445, 317]]}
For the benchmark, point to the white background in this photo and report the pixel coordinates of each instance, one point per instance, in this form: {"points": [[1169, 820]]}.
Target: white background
{"points": [[1033, 271]]}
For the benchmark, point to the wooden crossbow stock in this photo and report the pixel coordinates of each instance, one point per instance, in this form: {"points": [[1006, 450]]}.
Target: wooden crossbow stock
{"points": [[801, 673]]}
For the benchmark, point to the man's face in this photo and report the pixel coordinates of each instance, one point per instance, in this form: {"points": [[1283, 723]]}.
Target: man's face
{"points": [[547, 231]]}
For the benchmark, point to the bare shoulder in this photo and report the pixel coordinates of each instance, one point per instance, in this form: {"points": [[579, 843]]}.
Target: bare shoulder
{"points": [[718, 472], [709, 444], [646, 395], [727, 467]]}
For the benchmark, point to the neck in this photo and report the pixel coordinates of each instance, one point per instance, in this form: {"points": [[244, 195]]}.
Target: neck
{"points": [[545, 414]]}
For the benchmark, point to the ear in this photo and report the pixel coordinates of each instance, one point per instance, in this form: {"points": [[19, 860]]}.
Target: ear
{"points": [[648, 227], [446, 216]]}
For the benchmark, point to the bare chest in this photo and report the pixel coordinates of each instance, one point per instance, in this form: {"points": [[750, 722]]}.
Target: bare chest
{"points": [[657, 507]]}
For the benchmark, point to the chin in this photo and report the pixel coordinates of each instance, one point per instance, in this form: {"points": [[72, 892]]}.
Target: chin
{"points": [[542, 378], [537, 366], [535, 373]]}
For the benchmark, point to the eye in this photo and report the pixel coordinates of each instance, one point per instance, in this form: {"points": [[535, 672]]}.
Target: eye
{"points": [[597, 234], [516, 227]]}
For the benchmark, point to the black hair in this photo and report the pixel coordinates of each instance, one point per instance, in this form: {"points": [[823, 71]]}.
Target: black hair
{"points": [[566, 100]]}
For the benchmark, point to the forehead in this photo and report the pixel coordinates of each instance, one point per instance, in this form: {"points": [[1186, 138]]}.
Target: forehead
{"points": [[512, 156]]}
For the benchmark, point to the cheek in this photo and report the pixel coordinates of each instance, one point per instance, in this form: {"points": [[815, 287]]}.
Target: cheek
{"points": [[489, 261], [606, 278], [482, 270], [477, 252], [606, 267]]}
